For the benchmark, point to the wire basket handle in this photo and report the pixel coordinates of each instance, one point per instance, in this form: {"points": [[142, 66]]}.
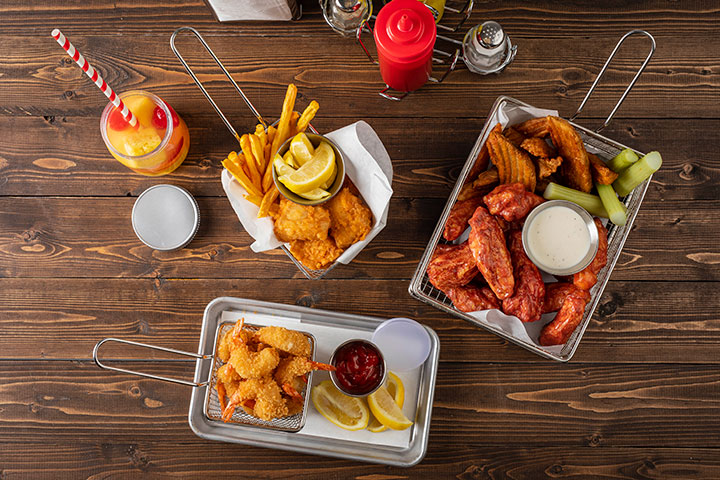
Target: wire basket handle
{"points": [[629, 87], [202, 88], [149, 375]]}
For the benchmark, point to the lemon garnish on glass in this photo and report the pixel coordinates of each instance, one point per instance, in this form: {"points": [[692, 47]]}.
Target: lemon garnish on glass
{"points": [[346, 412], [314, 173], [302, 149], [396, 389], [386, 411]]}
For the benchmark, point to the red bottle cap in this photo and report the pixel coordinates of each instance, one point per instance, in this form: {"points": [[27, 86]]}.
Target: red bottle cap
{"points": [[405, 30]]}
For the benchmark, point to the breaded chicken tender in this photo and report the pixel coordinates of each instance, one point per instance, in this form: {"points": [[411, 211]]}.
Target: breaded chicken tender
{"points": [[351, 219], [301, 222]]}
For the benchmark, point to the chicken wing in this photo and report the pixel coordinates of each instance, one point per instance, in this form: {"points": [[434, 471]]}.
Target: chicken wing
{"points": [[567, 319], [511, 202], [351, 220], [300, 222], [526, 303], [487, 244], [460, 213], [471, 298], [555, 294], [452, 266], [587, 278]]}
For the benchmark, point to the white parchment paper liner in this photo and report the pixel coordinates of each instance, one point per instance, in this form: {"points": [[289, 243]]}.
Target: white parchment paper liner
{"points": [[367, 164]]}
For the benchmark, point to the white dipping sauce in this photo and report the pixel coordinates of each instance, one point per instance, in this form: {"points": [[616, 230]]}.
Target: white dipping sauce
{"points": [[558, 238]]}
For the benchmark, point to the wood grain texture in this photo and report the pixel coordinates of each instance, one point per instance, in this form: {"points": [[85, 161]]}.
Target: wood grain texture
{"points": [[194, 458], [42, 80], [475, 405], [93, 237], [636, 322], [72, 159]]}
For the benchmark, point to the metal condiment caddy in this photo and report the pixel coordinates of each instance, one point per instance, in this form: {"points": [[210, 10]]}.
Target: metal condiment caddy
{"points": [[421, 288]]}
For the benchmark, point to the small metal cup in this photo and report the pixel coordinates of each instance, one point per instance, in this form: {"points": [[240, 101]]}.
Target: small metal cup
{"points": [[339, 386], [589, 222], [315, 139]]}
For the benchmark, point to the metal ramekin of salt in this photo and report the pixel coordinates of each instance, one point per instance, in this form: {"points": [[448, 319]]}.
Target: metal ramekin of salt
{"points": [[560, 237], [165, 217]]}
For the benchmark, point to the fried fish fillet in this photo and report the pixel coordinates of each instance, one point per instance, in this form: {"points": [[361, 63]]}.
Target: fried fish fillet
{"points": [[351, 220], [300, 222], [575, 168], [315, 254], [513, 164]]}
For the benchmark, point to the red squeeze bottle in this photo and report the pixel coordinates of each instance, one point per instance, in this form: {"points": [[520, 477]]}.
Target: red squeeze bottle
{"points": [[405, 34]]}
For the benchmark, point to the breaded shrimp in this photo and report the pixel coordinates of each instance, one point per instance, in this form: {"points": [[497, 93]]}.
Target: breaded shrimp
{"points": [[290, 371], [289, 341], [250, 364], [261, 395]]}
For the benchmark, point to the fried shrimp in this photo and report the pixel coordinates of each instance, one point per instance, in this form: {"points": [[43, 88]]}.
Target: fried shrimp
{"points": [[261, 395], [249, 364], [290, 374], [288, 341]]}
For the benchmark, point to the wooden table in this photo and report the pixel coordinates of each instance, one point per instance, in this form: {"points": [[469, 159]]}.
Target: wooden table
{"points": [[640, 398]]}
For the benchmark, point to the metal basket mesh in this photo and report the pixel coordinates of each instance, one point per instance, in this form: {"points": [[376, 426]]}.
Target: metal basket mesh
{"points": [[292, 423]]}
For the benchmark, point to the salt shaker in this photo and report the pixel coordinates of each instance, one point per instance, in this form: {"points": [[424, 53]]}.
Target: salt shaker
{"points": [[345, 16], [487, 48]]}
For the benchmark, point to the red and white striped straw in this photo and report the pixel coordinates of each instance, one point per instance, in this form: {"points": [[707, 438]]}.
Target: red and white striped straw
{"points": [[94, 75]]}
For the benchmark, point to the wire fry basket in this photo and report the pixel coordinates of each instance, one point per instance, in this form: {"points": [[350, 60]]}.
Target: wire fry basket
{"points": [[420, 286], [311, 274], [212, 410]]}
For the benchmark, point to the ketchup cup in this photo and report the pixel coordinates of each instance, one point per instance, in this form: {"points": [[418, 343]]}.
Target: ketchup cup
{"points": [[359, 368]]}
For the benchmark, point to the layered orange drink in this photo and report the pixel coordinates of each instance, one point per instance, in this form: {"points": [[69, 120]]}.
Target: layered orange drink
{"points": [[156, 145]]}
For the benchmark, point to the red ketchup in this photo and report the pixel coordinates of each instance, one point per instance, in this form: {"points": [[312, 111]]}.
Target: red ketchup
{"points": [[359, 367]]}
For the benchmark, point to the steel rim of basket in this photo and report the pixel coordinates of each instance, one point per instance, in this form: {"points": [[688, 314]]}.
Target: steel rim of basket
{"points": [[292, 423], [420, 282]]}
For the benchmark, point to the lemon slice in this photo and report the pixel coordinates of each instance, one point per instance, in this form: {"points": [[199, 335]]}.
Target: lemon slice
{"points": [[314, 173], [330, 180], [315, 194], [302, 149], [383, 406], [281, 167], [346, 412], [396, 389], [290, 160]]}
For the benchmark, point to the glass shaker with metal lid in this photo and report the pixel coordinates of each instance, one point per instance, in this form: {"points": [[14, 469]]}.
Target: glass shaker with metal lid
{"points": [[345, 16], [487, 49]]}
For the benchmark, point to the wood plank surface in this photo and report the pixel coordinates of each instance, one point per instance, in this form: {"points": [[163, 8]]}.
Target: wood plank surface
{"points": [[73, 161], [196, 458], [475, 405], [93, 237], [640, 397], [63, 318]]}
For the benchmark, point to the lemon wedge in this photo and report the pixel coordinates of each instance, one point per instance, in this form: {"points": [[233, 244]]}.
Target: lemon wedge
{"points": [[290, 160], [396, 389], [301, 149], [386, 411], [346, 412], [283, 168], [330, 180], [312, 174]]}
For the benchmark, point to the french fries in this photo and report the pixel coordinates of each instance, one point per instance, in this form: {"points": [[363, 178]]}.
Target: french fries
{"points": [[538, 147], [252, 168], [575, 168], [601, 173], [535, 127], [513, 164]]}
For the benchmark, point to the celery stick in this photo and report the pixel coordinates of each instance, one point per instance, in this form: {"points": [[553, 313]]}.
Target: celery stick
{"points": [[591, 203], [637, 173], [622, 160], [615, 209]]}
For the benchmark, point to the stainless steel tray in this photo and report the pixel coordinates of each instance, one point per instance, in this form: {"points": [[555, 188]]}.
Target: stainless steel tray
{"points": [[298, 442], [421, 288]]}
